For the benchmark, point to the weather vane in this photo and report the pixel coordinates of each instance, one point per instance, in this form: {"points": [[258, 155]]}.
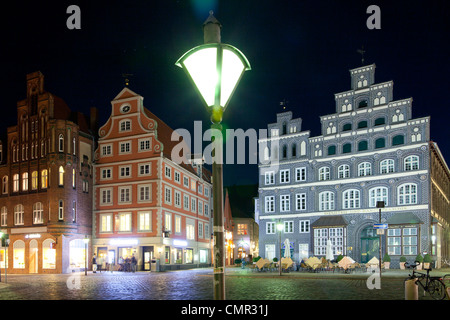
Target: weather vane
{"points": [[362, 51], [126, 76], [284, 104]]}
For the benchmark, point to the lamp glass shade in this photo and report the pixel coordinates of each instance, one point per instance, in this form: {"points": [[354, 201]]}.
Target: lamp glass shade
{"points": [[232, 69]]}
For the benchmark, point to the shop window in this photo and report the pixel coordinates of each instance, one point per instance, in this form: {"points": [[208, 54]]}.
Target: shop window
{"points": [[19, 254], [48, 254]]}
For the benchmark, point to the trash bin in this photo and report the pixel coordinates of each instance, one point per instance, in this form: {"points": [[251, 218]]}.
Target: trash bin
{"points": [[154, 265], [411, 289]]}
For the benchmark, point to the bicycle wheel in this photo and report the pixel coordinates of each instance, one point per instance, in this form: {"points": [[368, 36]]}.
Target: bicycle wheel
{"points": [[436, 289]]}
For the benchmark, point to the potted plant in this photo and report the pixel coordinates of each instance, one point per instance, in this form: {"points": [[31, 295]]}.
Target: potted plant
{"points": [[386, 261], [427, 261], [419, 259], [402, 262]]}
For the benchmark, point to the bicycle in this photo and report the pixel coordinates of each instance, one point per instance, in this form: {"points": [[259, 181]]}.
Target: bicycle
{"points": [[433, 285], [445, 263]]}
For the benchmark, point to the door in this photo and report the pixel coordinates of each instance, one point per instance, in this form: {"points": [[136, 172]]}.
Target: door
{"points": [[33, 260], [370, 244], [148, 255]]}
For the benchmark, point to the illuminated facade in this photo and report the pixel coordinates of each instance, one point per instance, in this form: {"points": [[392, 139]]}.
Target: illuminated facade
{"points": [[46, 181], [327, 187], [145, 204]]}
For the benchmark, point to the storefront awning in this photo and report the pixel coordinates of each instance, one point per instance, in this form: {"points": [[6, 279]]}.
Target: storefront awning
{"points": [[329, 221], [404, 218]]}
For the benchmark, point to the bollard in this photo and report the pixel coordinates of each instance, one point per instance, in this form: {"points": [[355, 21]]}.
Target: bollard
{"points": [[411, 289]]}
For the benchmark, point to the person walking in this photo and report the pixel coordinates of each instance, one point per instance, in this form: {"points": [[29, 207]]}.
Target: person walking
{"points": [[133, 263], [94, 264]]}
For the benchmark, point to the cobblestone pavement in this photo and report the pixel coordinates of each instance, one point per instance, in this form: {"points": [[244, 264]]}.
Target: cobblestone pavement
{"points": [[197, 284]]}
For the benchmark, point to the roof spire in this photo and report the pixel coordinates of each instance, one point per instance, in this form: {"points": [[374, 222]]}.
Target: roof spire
{"points": [[361, 51]]}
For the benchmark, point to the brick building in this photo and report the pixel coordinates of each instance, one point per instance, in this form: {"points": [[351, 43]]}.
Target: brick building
{"points": [[146, 204], [46, 181]]}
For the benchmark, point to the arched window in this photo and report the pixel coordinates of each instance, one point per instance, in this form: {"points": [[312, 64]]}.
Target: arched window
{"points": [[364, 169], [303, 148], [19, 254], [387, 166], [4, 216], [16, 182], [398, 140], [362, 124], [351, 199], [284, 129], [344, 171], [48, 254], [25, 181], [363, 145], [324, 174], [347, 148], [284, 155], [331, 150], [18, 214], [407, 194], [38, 213], [61, 143], [294, 150], [380, 143], [362, 104], [411, 163], [44, 179], [379, 121], [347, 127], [326, 201], [61, 176], [378, 194], [5, 185]]}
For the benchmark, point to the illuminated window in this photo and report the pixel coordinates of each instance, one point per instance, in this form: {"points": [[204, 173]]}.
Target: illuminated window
{"points": [[44, 179], [74, 177], [38, 213], [4, 215], [48, 254], [242, 229], [19, 254], [60, 210], [125, 222], [145, 221], [16, 182], [25, 181], [34, 180], [18, 214], [61, 176], [105, 223], [407, 194]]}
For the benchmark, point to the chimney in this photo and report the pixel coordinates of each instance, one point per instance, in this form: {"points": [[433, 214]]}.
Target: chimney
{"points": [[94, 121]]}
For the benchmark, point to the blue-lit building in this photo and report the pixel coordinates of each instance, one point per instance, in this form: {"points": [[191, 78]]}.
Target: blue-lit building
{"points": [[327, 187]]}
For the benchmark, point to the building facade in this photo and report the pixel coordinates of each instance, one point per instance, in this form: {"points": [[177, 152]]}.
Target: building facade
{"points": [[146, 204], [327, 187], [46, 172]]}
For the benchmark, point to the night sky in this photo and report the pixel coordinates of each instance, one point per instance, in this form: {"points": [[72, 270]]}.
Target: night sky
{"points": [[299, 51]]}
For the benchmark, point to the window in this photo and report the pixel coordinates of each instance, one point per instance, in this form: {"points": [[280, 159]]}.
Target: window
{"points": [[364, 169], [336, 236], [124, 147], [270, 228], [177, 224], [326, 201], [285, 203], [145, 221], [190, 229], [320, 241], [74, 178], [38, 213], [269, 204], [19, 254], [206, 209], [269, 178], [344, 171], [124, 222], [144, 169], [106, 196], [351, 199], [177, 178], [380, 143], [331, 150], [61, 176], [411, 163], [300, 201], [74, 211], [178, 198], [16, 182], [324, 174], [379, 121], [270, 251], [288, 226], [402, 241], [347, 127], [363, 103], [106, 150], [105, 223], [193, 205], [284, 176], [242, 229], [363, 145], [167, 222], [304, 226], [106, 173], [61, 143], [125, 125], [5, 185], [25, 181], [18, 214], [60, 210], [347, 148], [125, 172], [186, 182], [144, 145], [294, 150], [362, 124], [144, 193], [124, 194], [200, 229], [407, 194], [3, 218], [300, 174], [398, 140], [168, 195], [186, 202], [284, 155], [44, 179], [168, 172], [387, 166], [378, 194]]}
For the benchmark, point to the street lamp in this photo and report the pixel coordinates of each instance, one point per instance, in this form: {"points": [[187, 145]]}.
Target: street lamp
{"points": [[280, 227], [86, 241], [215, 69]]}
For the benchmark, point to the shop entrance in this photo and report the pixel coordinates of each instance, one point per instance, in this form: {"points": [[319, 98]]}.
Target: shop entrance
{"points": [[370, 244], [33, 261], [148, 255]]}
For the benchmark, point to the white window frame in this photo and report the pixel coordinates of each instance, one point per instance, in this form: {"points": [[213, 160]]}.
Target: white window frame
{"points": [[351, 199], [142, 193], [106, 223], [300, 201], [300, 174], [411, 163], [145, 221], [326, 201], [106, 150], [285, 176], [145, 169], [343, 171], [407, 193], [125, 147], [364, 169], [125, 125], [285, 203], [270, 227], [387, 166], [106, 173], [378, 194], [125, 223], [304, 226], [269, 203], [106, 193], [288, 226], [324, 174]]}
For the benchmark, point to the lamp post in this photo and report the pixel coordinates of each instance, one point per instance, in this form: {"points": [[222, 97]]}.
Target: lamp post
{"points": [[86, 241], [215, 69], [380, 205], [280, 227]]}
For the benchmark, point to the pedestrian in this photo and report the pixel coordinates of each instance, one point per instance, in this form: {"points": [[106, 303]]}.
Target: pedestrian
{"points": [[94, 264], [121, 264], [133, 263]]}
